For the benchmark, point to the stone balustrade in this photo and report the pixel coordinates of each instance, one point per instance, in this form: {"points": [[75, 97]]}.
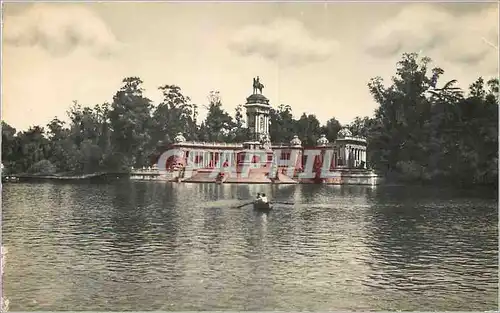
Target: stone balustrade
{"points": [[353, 138], [209, 144]]}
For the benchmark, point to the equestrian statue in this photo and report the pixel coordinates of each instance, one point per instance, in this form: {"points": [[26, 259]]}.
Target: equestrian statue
{"points": [[257, 86]]}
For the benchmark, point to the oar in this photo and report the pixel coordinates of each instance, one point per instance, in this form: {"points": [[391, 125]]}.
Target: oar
{"points": [[281, 202], [240, 206]]}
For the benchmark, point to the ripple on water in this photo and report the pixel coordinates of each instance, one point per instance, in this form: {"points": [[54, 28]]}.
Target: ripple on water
{"points": [[147, 246]]}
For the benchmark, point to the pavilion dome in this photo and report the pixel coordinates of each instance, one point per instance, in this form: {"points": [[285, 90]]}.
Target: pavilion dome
{"points": [[344, 132], [179, 138], [322, 141], [295, 141], [257, 98]]}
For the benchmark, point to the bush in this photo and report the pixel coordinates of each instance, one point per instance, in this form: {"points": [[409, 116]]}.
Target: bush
{"points": [[43, 167], [412, 170]]}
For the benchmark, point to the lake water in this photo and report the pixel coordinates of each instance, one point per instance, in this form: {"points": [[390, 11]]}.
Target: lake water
{"points": [[162, 246]]}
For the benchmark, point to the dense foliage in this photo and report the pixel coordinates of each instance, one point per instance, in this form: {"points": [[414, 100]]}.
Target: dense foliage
{"points": [[419, 132], [428, 133]]}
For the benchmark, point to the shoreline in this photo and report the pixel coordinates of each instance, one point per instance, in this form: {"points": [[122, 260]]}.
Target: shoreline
{"points": [[381, 180], [56, 177]]}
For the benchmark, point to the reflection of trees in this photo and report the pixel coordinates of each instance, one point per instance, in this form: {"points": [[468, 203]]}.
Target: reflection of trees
{"points": [[434, 246], [127, 218], [213, 227]]}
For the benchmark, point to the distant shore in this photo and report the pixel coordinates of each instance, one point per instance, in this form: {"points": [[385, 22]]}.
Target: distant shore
{"points": [[394, 180], [60, 176]]}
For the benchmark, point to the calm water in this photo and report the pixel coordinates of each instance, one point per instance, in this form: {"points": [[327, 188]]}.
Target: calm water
{"points": [[158, 246]]}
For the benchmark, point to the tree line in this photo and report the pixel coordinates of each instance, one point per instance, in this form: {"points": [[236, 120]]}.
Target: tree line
{"points": [[419, 131]]}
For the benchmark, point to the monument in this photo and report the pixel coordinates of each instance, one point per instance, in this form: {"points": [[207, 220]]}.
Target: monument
{"points": [[258, 109], [345, 157]]}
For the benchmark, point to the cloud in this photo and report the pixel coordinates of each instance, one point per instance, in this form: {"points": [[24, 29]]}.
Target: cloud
{"points": [[456, 38], [285, 41], [59, 29]]}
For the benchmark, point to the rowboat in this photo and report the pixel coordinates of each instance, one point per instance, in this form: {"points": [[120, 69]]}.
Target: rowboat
{"points": [[262, 205]]}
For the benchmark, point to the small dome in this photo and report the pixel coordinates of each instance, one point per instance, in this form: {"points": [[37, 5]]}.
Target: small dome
{"points": [[344, 132], [257, 98], [295, 141], [322, 141], [179, 138]]}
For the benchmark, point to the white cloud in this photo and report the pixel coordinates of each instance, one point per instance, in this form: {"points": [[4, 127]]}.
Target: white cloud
{"points": [[59, 29], [455, 38], [285, 41]]}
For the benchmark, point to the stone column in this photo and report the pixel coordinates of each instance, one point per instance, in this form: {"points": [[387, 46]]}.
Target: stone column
{"points": [[341, 153], [346, 159], [339, 156], [354, 157]]}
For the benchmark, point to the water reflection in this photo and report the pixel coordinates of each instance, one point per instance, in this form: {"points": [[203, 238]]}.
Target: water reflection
{"points": [[442, 241], [157, 246]]}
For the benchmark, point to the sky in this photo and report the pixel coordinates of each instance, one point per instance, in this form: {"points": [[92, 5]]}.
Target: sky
{"points": [[315, 57]]}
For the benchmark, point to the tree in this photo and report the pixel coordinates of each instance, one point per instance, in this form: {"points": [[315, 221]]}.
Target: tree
{"points": [[282, 128], [174, 114], [360, 126], [331, 129], [308, 129], [403, 110], [218, 123], [9, 146], [130, 118], [31, 146], [239, 132], [427, 133]]}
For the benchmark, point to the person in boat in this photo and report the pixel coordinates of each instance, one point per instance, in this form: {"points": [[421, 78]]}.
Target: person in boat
{"points": [[258, 196], [263, 198]]}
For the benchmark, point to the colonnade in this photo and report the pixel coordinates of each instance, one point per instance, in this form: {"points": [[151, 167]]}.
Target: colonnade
{"points": [[204, 159], [257, 125], [348, 154]]}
